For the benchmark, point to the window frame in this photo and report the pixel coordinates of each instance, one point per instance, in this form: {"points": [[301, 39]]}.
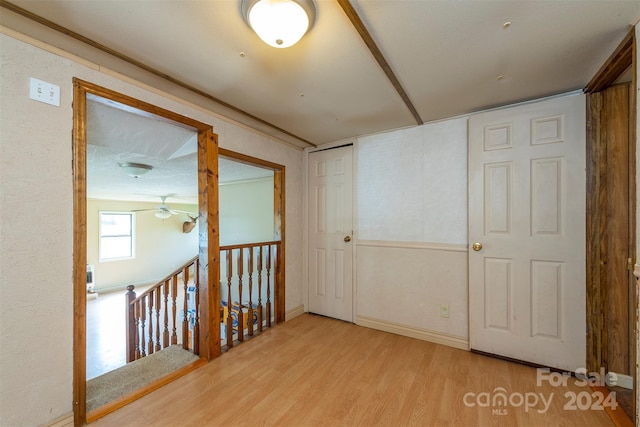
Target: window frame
{"points": [[131, 235]]}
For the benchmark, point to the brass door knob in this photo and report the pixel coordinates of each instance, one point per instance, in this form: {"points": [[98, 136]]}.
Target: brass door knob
{"points": [[347, 239], [477, 246]]}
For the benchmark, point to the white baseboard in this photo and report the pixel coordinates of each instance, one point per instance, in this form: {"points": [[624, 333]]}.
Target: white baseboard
{"points": [[624, 381], [294, 312], [63, 421], [413, 332]]}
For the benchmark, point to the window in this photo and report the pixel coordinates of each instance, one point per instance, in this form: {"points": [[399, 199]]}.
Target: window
{"points": [[116, 235]]}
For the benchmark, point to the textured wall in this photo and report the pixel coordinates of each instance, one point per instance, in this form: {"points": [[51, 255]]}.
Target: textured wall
{"points": [[36, 231], [412, 227], [407, 285], [412, 184]]}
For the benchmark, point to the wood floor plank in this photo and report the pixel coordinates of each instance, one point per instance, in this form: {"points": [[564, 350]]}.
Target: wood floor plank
{"points": [[315, 371]]}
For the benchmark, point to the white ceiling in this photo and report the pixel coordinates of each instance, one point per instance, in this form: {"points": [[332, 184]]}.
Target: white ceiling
{"points": [[115, 136], [450, 57], [447, 55]]}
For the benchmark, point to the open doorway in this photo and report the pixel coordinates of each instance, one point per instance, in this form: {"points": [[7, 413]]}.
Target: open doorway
{"points": [[142, 186], [196, 153], [254, 176]]}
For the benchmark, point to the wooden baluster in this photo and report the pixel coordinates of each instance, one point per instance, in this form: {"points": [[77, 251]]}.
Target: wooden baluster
{"points": [[260, 288], [137, 333], [240, 310], [229, 327], [165, 332], [185, 319], [269, 250], [250, 309], [130, 323], [150, 321], [158, 293], [174, 308], [143, 318], [196, 326]]}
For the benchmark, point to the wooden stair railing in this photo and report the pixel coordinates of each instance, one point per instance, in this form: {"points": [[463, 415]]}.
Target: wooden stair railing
{"points": [[250, 268], [152, 321]]}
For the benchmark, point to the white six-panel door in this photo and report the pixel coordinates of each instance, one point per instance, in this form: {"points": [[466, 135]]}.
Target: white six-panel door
{"points": [[527, 211], [330, 191]]}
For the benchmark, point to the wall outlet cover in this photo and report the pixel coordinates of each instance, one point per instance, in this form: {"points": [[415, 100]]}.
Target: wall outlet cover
{"points": [[444, 311]]}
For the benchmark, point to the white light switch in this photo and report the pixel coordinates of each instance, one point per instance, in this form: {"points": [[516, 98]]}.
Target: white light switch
{"points": [[44, 92]]}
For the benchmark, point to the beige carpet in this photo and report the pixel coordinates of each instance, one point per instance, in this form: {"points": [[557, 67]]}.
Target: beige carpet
{"points": [[135, 375]]}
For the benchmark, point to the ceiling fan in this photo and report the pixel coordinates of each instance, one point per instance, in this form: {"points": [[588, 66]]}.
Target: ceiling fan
{"points": [[163, 211]]}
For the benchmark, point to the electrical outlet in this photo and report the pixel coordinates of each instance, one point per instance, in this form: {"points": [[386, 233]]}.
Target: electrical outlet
{"points": [[44, 92], [444, 311]]}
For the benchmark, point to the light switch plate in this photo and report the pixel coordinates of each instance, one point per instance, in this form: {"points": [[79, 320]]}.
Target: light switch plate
{"points": [[44, 92]]}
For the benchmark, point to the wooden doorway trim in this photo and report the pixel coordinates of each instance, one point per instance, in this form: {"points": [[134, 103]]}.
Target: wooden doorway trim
{"points": [[617, 63], [620, 61], [278, 217], [208, 241]]}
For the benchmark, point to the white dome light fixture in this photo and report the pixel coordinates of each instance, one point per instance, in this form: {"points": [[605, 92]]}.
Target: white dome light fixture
{"points": [[279, 23], [135, 170]]}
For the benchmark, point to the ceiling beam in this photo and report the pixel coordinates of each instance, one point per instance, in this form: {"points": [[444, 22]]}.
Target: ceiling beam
{"points": [[377, 54], [50, 24]]}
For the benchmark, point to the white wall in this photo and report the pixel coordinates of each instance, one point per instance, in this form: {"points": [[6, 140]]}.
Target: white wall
{"points": [[36, 211], [246, 212], [246, 216], [412, 184], [161, 246], [412, 231]]}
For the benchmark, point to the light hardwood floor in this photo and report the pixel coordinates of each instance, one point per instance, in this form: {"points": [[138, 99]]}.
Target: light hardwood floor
{"points": [[315, 371], [106, 342]]}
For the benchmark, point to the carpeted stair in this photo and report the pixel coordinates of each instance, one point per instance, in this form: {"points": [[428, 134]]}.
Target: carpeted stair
{"points": [[135, 375]]}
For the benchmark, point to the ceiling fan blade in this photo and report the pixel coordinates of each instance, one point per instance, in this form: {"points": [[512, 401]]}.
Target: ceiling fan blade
{"points": [[178, 211]]}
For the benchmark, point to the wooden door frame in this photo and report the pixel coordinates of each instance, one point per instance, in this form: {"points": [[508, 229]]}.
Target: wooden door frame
{"points": [[278, 218], [208, 240], [622, 58]]}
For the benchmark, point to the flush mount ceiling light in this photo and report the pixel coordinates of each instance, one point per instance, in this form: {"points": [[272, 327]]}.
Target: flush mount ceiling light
{"points": [[279, 23], [135, 170]]}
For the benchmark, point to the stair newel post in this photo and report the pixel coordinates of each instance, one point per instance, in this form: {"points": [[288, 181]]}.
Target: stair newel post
{"points": [[130, 323], [229, 326], [260, 288], [150, 320], [174, 309], [269, 252], [240, 309], [250, 309], [196, 326], [165, 332], [185, 319]]}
